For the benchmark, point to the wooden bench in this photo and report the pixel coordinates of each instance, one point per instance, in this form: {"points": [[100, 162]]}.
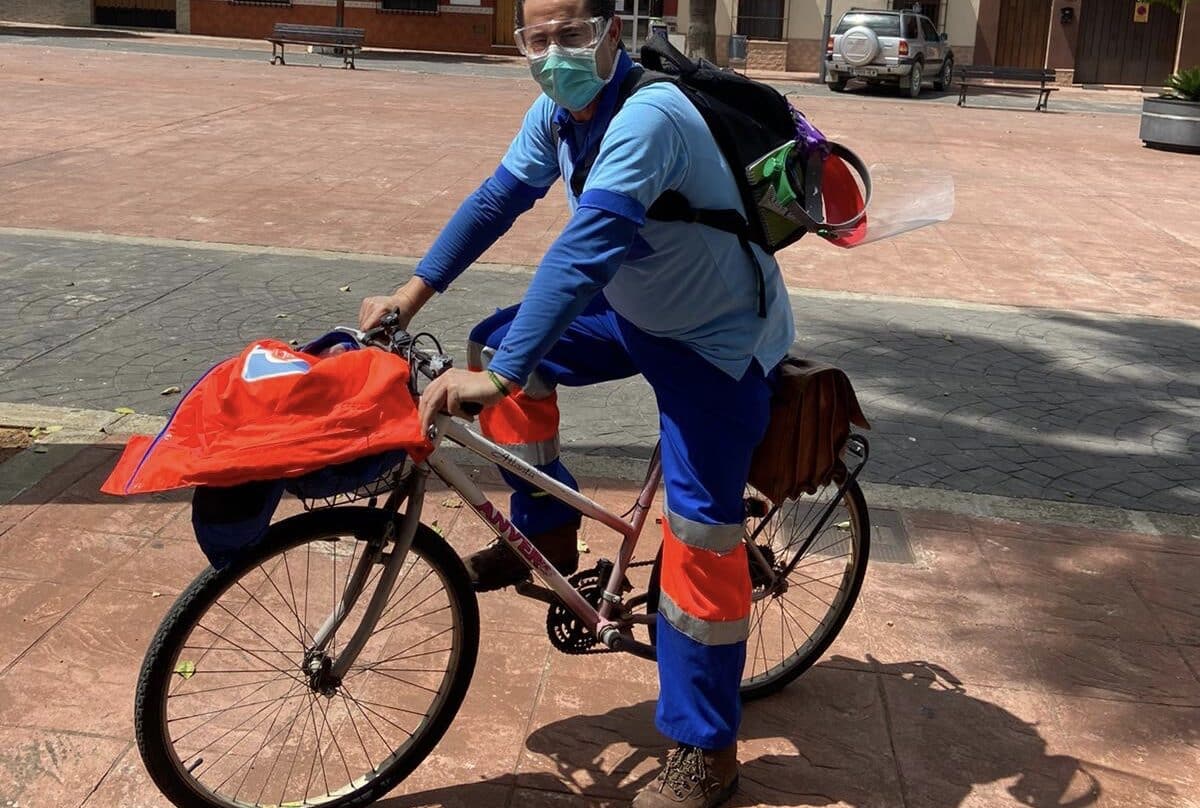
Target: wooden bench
{"points": [[1001, 78], [347, 41]]}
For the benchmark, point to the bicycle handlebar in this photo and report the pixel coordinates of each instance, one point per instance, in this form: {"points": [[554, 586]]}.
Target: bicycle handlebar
{"points": [[391, 337]]}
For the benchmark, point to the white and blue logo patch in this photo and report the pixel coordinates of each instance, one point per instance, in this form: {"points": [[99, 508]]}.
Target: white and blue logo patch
{"points": [[266, 363]]}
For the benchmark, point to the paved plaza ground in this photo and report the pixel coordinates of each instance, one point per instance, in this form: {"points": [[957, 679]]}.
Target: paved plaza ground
{"points": [[1028, 631]]}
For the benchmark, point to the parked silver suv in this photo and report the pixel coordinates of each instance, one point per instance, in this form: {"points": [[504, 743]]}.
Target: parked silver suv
{"points": [[898, 47]]}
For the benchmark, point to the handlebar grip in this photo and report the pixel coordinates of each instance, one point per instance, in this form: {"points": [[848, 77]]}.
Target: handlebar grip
{"points": [[471, 408]]}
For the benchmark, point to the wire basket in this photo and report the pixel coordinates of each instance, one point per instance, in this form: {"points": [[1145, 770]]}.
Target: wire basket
{"points": [[381, 486]]}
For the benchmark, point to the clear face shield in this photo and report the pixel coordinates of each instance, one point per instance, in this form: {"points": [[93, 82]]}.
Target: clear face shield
{"points": [[902, 198]]}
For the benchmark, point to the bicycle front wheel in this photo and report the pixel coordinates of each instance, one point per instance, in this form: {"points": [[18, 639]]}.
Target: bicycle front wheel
{"points": [[234, 705]]}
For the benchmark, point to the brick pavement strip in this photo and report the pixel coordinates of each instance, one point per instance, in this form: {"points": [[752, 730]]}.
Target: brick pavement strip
{"points": [[1015, 663], [1025, 403], [1064, 210]]}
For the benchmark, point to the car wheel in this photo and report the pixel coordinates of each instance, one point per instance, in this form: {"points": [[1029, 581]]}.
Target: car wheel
{"points": [[914, 80], [838, 85], [945, 77]]}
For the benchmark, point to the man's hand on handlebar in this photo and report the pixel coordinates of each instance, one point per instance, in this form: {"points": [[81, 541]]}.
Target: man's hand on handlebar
{"points": [[455, 391], [405, 301]]}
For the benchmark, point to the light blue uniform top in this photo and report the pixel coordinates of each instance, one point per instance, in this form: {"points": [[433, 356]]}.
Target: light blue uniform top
{"points": [[684, 281]]}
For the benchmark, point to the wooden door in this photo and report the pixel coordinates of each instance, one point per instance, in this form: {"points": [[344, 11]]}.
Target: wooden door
{"points": [[505, 22], [1113, 49], [1024, 30]]}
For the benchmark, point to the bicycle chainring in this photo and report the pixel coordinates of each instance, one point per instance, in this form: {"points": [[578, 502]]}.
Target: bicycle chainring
{"points": [[566, 631]]}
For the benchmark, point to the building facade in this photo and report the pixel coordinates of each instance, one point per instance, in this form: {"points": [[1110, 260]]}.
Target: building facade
{"points": [[1119, 42], [460, 26], [1114, 42]]}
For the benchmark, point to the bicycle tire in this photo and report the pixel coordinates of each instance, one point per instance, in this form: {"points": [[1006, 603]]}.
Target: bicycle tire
{"points": [[160, 664], [811, 651]]}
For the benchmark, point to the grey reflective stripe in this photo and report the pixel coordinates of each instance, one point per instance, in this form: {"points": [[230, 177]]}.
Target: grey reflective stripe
{"points": [[538, 453], [707, 632], [480, 356], [717, 538]]}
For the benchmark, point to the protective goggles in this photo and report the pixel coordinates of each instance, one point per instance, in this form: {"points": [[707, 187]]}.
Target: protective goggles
{"points": [[534, 41]]}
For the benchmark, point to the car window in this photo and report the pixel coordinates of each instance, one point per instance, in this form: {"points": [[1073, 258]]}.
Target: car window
{"points": [[931, 34], [881, 24], [910, 28]]}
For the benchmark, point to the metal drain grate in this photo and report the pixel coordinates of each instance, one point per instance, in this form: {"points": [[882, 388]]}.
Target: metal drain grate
{"points": [[889, 539]]}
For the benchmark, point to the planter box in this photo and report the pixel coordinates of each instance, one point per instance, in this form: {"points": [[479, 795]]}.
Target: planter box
{"points": [[1169, 123]]}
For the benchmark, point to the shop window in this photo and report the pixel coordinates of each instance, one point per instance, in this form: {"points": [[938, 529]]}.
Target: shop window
{"points": [[760, 19]]}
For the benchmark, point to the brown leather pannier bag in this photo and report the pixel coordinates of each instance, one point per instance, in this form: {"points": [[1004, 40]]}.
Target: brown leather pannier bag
{"points": [[811, 413]]}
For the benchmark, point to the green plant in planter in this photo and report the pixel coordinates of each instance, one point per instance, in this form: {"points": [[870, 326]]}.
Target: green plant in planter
{"points": [[1184, 85]]}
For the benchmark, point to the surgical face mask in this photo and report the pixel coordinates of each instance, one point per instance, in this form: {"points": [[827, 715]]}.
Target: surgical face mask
{"points": [[568, 74]]}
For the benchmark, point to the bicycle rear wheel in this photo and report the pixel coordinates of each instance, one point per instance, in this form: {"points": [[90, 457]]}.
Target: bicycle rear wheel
{"points": [[794, 621], [232, 708]]}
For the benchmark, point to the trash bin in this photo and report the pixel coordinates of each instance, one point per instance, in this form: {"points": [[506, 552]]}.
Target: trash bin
{"points": [[737, 48]]}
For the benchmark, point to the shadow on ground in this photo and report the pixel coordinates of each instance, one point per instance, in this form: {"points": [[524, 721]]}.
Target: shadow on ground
{"points": [[823, 756]]}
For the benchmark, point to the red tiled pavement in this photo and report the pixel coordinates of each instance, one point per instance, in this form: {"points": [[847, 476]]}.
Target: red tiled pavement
{"points": [[1065, 210], [1012, 664]]}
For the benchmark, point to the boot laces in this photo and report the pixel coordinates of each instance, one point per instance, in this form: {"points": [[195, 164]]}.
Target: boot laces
{"points": [[685, 768]]}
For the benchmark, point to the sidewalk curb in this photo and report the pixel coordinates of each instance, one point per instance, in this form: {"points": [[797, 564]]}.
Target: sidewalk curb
{"points": [[83, 428]]}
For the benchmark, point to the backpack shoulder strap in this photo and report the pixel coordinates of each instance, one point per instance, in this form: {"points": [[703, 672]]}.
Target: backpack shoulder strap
{"points": [[634, 80]]}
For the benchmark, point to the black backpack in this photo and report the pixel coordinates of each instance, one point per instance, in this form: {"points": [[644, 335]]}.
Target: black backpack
{"points": [[750, 121]]}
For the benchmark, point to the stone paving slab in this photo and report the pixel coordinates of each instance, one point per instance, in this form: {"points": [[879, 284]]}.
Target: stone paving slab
{"points": [[948, 688], [1037, 404], [1065, 209]]}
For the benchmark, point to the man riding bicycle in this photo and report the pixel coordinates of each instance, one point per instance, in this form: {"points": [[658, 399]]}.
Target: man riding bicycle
{"points": [[618, 294]]}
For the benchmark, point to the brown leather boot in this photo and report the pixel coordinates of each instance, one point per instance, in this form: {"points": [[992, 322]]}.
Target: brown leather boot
{"points": [[692, 778], [497, 566]]}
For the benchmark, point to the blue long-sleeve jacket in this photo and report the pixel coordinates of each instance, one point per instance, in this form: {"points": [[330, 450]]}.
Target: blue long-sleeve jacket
{"points": [[582, 260]]}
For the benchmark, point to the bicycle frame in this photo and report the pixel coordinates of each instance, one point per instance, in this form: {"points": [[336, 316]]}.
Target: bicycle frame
{"points": [[599, 621], [614, 634]]}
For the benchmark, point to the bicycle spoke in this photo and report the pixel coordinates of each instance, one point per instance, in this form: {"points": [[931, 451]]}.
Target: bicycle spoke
{"points": [[282, 746], [336, 745], [365, 706], [354, 726], [270, 613], [816, 620], [248, 764], [221, 606], [400, 621], [229, 732], [405, 681], [236, 705], [224, 687]]}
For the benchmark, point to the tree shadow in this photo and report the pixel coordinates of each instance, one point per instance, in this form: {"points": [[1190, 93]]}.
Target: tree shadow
{"points": [[840, 736]]}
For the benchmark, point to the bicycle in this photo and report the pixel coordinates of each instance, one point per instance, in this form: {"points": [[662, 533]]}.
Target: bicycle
{"points": [[258, 667]]}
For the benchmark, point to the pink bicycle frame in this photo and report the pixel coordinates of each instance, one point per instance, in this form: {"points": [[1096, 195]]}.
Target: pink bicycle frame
{"points": [[616, 635]]}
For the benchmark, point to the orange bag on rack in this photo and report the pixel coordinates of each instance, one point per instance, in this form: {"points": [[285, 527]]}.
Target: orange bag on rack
{"points": [[273, 413]]}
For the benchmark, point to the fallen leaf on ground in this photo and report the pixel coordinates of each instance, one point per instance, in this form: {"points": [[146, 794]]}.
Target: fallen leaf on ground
{"points": [[345, 289], [452, 502], [173, 389], [124, 410], [582, 546], [186, 669]]}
